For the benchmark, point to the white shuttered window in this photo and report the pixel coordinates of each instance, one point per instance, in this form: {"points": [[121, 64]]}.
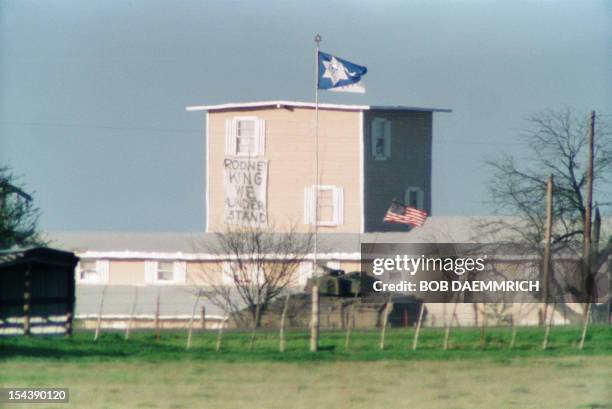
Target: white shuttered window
{"points": [[93, 271], [103, 268], [325, 204], [165, 272], [245, 136]]}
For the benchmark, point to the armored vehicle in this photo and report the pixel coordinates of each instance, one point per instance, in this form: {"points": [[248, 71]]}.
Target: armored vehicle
{"points": [[337, 283]]}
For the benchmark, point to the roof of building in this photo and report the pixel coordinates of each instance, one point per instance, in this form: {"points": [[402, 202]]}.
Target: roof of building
{"points": [[347, 246], [174, 301], [43, 255], [298, 104], [139, 245]]}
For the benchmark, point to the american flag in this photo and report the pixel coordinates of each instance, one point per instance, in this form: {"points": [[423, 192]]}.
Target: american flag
{"points": [[398, 213]]}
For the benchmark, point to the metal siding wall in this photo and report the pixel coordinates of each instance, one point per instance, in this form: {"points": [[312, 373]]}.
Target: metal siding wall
{"points": [[410, 165]]}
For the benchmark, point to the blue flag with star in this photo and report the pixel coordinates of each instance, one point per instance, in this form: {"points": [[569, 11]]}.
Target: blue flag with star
{"points": [[336, 74]]}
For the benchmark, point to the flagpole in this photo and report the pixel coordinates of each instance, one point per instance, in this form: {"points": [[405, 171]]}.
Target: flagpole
{"points": [[317, 40]]}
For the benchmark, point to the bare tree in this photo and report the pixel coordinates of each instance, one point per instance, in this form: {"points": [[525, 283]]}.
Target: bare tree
{"points": [[558, 145], [18, 214], [260, 265]]}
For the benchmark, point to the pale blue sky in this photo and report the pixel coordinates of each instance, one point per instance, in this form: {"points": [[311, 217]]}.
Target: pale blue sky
{"points": [[92, 93]]}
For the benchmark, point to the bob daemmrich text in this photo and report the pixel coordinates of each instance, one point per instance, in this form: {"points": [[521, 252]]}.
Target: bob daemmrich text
{"points": [[425, 275], [472, 286]]}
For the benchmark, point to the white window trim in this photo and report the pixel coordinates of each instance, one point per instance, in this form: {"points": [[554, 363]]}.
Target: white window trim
{"points": [[419, 192], [386, 136], [102, 270], [310, 195], [231, 137], [94, 280], [178, 273]]}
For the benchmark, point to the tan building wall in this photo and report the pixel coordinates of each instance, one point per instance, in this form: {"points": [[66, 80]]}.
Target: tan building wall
{"points": [[126, 272], [290, 150], [198, 273], [349, 266], [203, 273]]}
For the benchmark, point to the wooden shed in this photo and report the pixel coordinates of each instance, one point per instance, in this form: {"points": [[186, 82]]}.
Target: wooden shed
{"points": [[37, 291]]}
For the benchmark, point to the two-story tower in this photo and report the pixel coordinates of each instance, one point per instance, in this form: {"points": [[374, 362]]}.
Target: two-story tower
{"points": [[260, 164]]}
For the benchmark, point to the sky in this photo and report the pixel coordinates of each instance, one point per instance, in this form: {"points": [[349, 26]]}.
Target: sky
{"points": [[93, 93]]}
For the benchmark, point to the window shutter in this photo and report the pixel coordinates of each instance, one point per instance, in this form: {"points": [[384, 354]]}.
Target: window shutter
{"points": [[309, 205], [150, 270], [261, 137], [78, 271], [226, 274], [230, 137], [387, 139], [180, 272], [373, 136], [103, 270], [339, 205]]}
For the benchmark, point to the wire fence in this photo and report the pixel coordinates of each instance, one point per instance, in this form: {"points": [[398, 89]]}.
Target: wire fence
{"points": [[129, 309]]}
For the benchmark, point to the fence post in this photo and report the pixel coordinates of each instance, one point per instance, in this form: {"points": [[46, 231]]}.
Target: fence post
{"points": [[27, 300], [157, 329], [254, 329], [314, 320], [282, 325], [513, 336], [418, 328], [483, 323], [449, 323], [447, 335], [129, 324], [203, 317], [99, 323], [585, 326], [350, 322], [220, 334], [548, 325], [388, 307], [515, 322], [193, 312]]}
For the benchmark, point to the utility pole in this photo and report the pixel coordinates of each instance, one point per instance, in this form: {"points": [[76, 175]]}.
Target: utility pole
{"points": [[587, 233], [547, 241], [589, 206], [314, 319], [546, 262]]}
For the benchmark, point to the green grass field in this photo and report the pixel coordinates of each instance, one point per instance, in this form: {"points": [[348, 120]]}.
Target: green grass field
{"points": [[364, 345], [145, 373]]}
